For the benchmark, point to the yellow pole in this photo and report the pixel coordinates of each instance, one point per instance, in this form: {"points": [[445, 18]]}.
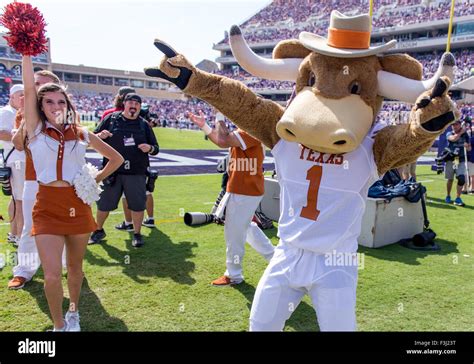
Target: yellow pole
{"points": [[371, 9], [450, 28]]}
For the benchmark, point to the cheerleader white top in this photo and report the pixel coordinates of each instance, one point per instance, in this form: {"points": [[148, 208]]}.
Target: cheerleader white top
{"points": [[58, 156]]}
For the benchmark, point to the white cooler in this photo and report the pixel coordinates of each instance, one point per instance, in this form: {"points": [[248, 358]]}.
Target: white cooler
{"points": [[383, 222]]}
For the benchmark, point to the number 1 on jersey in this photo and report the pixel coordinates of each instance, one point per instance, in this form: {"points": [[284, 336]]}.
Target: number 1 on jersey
{"points": [[310, 211]]}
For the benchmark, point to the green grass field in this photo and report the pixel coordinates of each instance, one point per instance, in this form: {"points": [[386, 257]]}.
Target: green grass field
{"points": [[165, 284], [170, 138]]}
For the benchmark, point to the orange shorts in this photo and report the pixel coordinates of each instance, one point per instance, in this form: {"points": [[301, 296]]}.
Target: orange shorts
{"points": [[58, 211]]}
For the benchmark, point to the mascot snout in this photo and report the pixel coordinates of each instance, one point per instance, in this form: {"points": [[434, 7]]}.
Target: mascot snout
{"points": [[326, 125]]}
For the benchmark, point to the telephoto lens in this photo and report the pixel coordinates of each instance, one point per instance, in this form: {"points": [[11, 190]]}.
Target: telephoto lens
{"points": [[198, 218], [6, 188], [439, 166], [151, 179]]}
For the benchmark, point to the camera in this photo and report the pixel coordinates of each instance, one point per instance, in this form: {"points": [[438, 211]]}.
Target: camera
{"points": [[150, 118], [151, 179], [153, 122], [6, 184], [5, 175], [447, 155]]}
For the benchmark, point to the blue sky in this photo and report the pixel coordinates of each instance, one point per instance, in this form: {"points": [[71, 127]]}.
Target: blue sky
{"points": [[119, 34]]}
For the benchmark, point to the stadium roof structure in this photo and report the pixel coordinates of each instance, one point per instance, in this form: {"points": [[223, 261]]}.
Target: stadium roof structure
{"points": [[466, 85]]}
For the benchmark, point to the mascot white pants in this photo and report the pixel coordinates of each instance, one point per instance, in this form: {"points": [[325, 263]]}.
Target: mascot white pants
{"points": [[294, 272]]}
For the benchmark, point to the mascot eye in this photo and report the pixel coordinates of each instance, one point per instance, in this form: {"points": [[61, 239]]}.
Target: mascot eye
{"points": [[354, 88], [312, 79]]}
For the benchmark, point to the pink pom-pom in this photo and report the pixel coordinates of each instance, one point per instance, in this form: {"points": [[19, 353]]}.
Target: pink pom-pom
{"points": [[26, 29]]}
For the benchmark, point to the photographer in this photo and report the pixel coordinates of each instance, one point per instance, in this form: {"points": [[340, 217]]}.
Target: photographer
{"points": [[458, 146], [15, 160], [133, 138], [118, 101], [127, 224]]}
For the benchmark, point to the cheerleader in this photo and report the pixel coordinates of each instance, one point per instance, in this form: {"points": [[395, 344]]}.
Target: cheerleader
{"points": [[60, 217]]}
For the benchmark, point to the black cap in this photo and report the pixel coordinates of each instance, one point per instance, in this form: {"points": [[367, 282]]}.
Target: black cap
{"points": [[134, 97], [125, 90]]}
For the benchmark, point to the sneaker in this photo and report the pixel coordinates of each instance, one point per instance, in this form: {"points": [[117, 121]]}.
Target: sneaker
{"points": [[97, 236], [149, 223], [62, 329], [448, 199], [72, 321], [137, 241], [225, 281], [12, 239], [459, 202], [124, 226], [17, 283]]}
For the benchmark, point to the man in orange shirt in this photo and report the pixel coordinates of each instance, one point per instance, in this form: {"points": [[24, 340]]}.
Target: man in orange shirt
{"points": [[245, 190]]}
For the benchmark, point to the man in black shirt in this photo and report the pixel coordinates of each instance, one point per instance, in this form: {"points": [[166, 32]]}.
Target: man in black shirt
{"points": [[458, 145], [133, 138]]}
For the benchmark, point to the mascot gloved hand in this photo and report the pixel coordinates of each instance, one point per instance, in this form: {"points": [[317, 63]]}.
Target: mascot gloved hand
{"points": [[174, 68]]}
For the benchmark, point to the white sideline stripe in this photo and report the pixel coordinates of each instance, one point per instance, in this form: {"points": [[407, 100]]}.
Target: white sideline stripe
{"points": [[267, 160], [179, 161], [189, 175], [175, 160], [426, 159], [426, 181]]}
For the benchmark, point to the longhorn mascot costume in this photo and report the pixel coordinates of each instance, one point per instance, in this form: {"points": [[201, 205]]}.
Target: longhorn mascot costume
{"points": [[328, 150]]}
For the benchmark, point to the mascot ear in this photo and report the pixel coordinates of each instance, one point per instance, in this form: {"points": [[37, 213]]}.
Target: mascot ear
{"points": [[403, 65], [290, 48]]}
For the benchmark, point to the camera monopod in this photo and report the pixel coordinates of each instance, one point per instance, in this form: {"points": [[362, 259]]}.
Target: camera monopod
{"points": [[468, 175]]}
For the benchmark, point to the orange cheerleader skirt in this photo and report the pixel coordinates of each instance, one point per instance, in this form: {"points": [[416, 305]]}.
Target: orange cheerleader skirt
{"points": [[58, 211]]}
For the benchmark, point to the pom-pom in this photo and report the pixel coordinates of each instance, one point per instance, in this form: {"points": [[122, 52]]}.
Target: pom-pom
{"points": [[26, 29], [87, 189]]}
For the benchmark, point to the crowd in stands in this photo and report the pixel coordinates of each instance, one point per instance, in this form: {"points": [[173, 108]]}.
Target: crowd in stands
{"points": [[172, 113], [255, 83], [430, 62], [398, 112], [284, 19], [464, 63]]}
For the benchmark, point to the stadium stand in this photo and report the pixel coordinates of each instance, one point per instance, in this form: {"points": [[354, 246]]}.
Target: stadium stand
{"points": [[282, 19]]}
